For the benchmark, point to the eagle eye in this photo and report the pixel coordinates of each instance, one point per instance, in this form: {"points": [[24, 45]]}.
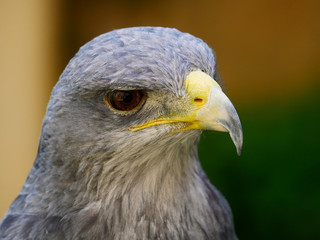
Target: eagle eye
{"points": [[125, 100]]}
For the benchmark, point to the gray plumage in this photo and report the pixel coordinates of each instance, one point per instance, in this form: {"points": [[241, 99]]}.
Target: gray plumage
{"points": [[93, 178]]}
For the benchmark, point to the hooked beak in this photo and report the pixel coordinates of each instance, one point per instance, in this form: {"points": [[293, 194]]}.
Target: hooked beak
{"points": [[208, 108]]}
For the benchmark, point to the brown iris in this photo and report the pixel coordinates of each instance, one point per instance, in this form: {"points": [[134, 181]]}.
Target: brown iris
{"points": [[124, 100]]}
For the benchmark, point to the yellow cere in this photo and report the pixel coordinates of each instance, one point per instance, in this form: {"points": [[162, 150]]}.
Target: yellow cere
{"points": [[197, 85]]}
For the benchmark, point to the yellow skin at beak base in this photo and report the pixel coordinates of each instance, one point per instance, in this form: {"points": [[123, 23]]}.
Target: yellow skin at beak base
{"points": [[198, 85]]}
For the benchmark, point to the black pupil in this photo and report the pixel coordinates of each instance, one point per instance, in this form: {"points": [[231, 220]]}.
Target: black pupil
{"points": [[127, 97]]}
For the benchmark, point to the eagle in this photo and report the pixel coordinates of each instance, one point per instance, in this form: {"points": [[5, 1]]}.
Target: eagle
{"points": [[118, 151]]}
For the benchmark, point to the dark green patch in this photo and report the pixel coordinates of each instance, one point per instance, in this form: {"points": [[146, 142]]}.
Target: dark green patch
{"points": [[274, 187]]}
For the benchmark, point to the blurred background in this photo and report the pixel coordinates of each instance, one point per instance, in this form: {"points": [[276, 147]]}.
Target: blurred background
{"points": [[269, 60]]}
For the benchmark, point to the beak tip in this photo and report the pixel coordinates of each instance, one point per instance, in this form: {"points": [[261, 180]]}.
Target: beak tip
{"points": [[236, 135], [239, 150], [237, 139]]}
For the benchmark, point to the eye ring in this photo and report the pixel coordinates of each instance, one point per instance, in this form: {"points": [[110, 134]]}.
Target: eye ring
{"points": [[125, 100]]}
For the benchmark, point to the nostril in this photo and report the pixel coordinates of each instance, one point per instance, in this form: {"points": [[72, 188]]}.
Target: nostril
{"points": [[199, 100]]}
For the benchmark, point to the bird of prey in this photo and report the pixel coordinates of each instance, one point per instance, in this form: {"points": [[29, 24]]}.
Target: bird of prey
{"points": [[117, 156]]}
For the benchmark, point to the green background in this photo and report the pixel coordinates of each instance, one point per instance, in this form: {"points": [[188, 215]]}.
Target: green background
{"points": [[273, 187]]}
